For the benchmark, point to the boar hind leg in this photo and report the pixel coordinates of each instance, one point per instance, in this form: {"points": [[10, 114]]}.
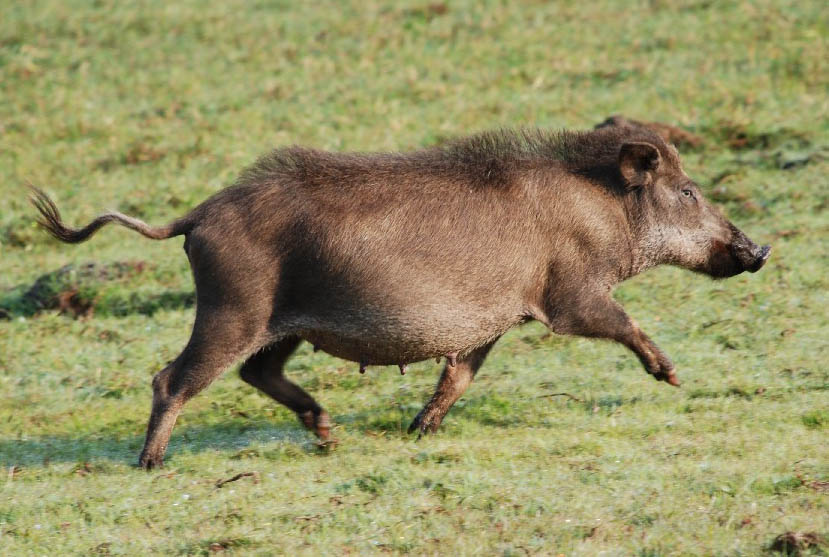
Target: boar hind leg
{"points": [[453, 382], [604, 318], [216, 342], [263, 370]]}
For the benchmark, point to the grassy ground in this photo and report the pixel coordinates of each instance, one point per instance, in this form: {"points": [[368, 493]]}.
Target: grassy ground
{"points": [[151, 106]]}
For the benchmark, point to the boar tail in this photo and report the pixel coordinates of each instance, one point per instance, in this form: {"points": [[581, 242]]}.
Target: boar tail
{"points": [[51, 221]]}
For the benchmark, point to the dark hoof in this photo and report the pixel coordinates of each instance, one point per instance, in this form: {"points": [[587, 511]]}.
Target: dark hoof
{"points": [[425, 422], [319, 424], [148, 462], [322, 427], [668, 377]]}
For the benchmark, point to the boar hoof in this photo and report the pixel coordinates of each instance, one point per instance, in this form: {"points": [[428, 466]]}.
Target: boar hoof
{"points": [[668, 377], [322, 427], [363, 367], [403, 368], [319, 424], [148, 462], [425, 422]]}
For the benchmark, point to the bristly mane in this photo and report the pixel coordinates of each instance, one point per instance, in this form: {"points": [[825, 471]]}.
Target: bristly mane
{"points": [[487, 159]]}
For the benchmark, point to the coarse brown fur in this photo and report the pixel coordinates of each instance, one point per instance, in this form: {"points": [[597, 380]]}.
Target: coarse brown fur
{"points": [[388, 258]]}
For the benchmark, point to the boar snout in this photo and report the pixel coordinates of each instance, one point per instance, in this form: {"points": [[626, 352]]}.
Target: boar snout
{"points": [[750, 256], [761, 255]]}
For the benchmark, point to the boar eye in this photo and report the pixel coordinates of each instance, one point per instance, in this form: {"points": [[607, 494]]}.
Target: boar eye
{"points": [[687, 193]]}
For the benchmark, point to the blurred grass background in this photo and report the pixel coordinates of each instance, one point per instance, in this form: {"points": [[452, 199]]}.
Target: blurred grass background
{"points": [[150, 107]]}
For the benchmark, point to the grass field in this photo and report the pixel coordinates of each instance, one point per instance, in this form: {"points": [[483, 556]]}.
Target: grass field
{"points": [[149, 107]]}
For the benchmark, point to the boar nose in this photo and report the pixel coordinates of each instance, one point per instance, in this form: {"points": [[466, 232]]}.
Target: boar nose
{"points": [[761, 255]]}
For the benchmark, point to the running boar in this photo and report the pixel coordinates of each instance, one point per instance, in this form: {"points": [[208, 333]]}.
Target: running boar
{"points": [[387, 258]]}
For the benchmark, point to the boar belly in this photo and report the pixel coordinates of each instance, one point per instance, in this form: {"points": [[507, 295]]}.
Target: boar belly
{"points": [[388, 334]]}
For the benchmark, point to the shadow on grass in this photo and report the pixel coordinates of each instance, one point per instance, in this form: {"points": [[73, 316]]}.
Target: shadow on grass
{"points": [[235, 437], [489, 409], [148, 305], [241, 437]]}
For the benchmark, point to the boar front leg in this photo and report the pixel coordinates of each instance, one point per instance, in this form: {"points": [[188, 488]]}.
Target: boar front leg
{"points": [[453, 382], [604, 318], [264, 371]]}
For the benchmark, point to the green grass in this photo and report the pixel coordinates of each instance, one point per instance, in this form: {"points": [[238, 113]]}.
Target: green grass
{"points": [[150, 107]]}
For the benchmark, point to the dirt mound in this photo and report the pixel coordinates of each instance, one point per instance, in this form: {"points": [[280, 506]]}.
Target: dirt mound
{"points": [[69, 289]]}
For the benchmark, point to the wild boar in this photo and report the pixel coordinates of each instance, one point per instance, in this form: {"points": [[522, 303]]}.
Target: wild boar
{"points": [[391, 258], [672, 134]]}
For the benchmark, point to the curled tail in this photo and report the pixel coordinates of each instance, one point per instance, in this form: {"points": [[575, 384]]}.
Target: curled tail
{"points": [[51, 221]]}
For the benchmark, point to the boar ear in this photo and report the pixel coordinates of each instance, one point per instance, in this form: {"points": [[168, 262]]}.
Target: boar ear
{"points": [[638, 163]]}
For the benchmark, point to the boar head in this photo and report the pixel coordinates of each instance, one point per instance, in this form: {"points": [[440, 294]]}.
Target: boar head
{"points": [[674, 223]]}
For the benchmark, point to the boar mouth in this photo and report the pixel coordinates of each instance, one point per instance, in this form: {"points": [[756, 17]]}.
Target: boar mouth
{"points": [[727, 260]]}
